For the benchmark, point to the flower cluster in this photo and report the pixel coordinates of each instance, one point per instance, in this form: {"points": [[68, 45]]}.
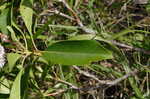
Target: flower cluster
{"points": [[2, 56]]}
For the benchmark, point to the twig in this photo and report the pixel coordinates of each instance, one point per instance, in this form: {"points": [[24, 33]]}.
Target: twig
{"points": [[57, 93], [131, 47], [89, 75], [74, 14], [110, 2], [105, 82], [65, 82], [47, 12], [60, 91], [99, 85], [122, 78], [79, 22]]}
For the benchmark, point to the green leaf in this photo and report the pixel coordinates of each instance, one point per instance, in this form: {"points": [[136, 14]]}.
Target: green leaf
{"points": [[16, 87], [82, 37], [27, 13], [12, 58], [76, 52], [13, 35], [3, 21], [24, 81], [87, 37]]}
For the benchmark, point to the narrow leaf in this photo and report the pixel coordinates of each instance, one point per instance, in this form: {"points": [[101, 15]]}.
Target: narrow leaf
{"points": [[13, 36], [27, 13], [82, 37], [76, 52], [16, 88], [3, 21]]}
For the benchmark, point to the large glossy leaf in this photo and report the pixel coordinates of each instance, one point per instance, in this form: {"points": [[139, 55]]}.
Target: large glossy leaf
{"points": [[16, 87], [76, 52]]}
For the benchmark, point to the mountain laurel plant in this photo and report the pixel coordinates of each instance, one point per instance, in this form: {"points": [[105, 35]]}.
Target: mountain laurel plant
{"points": [[41, 45]]}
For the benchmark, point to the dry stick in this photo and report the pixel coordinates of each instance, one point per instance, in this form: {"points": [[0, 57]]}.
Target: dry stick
{"points": [[131, 47], [99, 85], [106, 82], [110, 2], [46, 12], [79, 22], [89, 75], [60, 91], [65, 82], [74, 14], [57, 93]]}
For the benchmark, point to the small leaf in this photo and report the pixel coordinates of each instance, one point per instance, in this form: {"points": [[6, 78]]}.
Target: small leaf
{"points": [[12, 58], [16, 87], [76, 52]]}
